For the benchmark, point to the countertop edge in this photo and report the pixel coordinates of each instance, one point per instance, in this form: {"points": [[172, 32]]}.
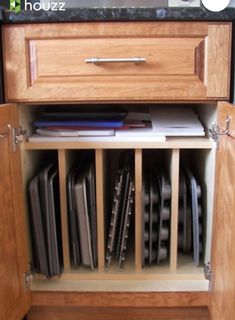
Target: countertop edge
{"points": [[117, 14]]}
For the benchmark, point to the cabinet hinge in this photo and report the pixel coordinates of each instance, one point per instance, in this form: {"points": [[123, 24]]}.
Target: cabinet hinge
{"points": [[18, 137], [208, 273], [214, 135], [28, 277], [216, 132]]}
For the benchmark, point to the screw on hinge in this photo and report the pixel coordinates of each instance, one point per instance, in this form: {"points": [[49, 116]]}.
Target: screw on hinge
{"points": [[28, 276], [209, 274], [18, 136]]}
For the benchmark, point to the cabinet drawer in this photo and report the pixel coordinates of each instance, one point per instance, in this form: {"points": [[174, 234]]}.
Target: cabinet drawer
{"points": [[182, 61]]}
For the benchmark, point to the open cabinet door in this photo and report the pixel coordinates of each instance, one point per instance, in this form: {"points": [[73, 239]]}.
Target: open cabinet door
{"points": [[14, 296], [223, 244]]}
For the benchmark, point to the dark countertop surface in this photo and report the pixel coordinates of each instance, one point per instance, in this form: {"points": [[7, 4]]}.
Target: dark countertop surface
{"points": [[118, 14]]}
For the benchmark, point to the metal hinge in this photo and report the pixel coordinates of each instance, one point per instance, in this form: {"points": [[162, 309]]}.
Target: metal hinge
{"points": [[216, 132], [18, 137], [213, 135], [208, 273], [28, 277]]}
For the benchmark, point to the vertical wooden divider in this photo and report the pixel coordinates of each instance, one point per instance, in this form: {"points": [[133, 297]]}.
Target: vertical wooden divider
{"points": [[138, 210], [63, 163], [99, 166], [175, 164]]}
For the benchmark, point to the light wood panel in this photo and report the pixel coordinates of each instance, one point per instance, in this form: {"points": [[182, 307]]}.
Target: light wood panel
{"points": [[175, 167], [110, 143], [120, 299], [156, 284], [223, 249], [138, 209], [47, 62], [156, 273], [15, 300], [99, 167], [64, 167], [38, 313]]}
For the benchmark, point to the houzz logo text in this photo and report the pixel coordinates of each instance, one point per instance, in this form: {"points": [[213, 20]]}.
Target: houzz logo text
{"points": [[50, 5]]}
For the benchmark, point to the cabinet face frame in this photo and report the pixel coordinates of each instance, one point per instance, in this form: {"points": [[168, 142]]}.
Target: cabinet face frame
{"points": [[38, 68]]}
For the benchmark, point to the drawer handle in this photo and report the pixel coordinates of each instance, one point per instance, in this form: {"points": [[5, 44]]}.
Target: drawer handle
{"points": [[5, 134], [96, 61]]}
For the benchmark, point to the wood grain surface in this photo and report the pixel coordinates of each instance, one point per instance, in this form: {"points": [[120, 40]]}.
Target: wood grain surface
{"points": [[120, 299], [223, 248], [38, 313], [184, 61], [15, 300]]}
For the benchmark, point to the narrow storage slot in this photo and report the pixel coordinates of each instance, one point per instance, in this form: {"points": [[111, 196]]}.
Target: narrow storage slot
{"points": [[42, 183], [81, 210], [195, 208], [119, 211], [156, 209]]}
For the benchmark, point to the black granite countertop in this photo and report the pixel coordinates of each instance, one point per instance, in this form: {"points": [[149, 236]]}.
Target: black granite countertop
{"points": [[118, 14]]}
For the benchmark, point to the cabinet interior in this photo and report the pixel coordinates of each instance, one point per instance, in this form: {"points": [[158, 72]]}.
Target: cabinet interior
{"points": [[178, 271]]}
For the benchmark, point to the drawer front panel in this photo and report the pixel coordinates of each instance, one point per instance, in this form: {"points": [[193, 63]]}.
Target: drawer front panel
{"points": [[180, 63], [163, 57]]}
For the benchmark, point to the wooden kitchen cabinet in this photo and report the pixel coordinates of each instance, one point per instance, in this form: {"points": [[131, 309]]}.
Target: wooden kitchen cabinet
{"points": [[179, 284], [182, 61]]}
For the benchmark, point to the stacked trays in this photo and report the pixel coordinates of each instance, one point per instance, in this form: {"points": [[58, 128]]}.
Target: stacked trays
{"points": [[45, 221], [156, 217], [122, 210], [82, 213], [190, 240]]}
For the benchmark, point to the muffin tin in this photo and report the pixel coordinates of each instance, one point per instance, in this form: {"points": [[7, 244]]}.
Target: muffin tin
{"points": [[156, 214], [156, 202]]}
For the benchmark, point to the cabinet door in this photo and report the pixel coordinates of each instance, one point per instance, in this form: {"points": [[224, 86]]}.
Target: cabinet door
{"points": [[223, 250], [52, 62], [14, 297]]}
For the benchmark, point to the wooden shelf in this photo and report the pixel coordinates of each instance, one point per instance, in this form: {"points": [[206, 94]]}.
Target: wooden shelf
{"points": [[149, 279], [149, 273], [112, 143]]}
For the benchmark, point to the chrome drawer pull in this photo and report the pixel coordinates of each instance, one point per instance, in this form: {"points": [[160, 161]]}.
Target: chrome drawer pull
{"points": [[5, 134], [135, 60]]}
